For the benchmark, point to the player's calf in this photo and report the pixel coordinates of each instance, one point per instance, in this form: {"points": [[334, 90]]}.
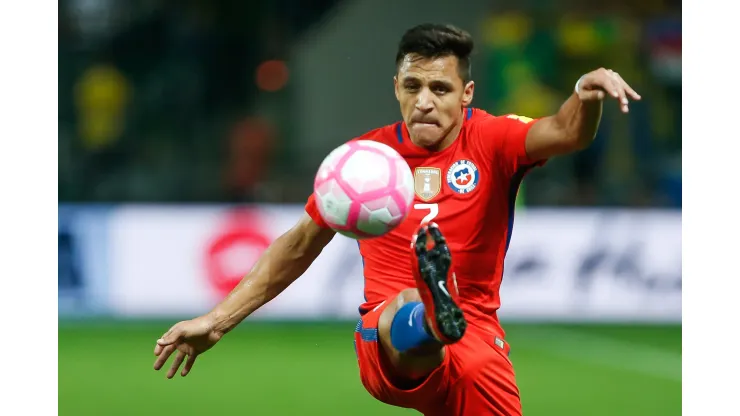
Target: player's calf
{"points": [[409, 348], [409, 329]]}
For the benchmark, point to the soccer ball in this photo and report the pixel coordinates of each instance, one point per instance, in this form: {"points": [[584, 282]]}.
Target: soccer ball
{"points": [[363, 189]]}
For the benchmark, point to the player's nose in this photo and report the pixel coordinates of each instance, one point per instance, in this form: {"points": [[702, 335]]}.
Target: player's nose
{"points": [[424, 101]]}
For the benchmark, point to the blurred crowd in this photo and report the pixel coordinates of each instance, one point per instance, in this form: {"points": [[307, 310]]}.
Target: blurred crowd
{"points": [[156, 98]]}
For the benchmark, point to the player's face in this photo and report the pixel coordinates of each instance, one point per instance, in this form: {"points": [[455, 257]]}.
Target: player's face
{"points": [[432, 97]]}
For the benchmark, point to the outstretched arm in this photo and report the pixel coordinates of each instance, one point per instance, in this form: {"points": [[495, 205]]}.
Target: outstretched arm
{"points": [[574, 126], [282, 263]]}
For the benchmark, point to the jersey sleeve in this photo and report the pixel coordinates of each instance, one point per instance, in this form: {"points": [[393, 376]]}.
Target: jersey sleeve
{"points": [[505, 139], [313, 211]]}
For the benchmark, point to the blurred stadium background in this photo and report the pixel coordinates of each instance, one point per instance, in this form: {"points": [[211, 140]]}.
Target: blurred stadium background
{"points": [[189, 133]]}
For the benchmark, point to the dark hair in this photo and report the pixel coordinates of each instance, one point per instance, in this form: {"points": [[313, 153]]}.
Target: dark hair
{"points": [[431, 40]]}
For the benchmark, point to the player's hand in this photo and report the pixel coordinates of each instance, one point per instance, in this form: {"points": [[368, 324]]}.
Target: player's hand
{"points": [[189, 339], [601, 83]]}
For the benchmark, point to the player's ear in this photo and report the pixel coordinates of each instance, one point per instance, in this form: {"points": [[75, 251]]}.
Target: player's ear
{"points": [[468, 93], [395, 86]]}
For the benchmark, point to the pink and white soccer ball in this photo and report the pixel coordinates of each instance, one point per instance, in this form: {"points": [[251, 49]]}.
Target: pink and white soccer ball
{"points": [[364, 189]]}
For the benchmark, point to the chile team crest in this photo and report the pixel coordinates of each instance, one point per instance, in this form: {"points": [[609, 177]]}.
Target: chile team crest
{"points": [[462, 176]]}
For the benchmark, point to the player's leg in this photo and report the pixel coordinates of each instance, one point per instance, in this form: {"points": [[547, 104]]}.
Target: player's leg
{"points": [[418, 323], [404, 381], [402, 362], [420, 362], [407, 367]]}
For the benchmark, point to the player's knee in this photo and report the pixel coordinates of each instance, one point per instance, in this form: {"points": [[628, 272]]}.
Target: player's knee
{"points": [[408, 295], [385, 321], [386, 317]]}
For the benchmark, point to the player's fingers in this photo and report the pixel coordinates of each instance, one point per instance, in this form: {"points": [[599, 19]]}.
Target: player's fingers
{"points": [[188, 365], [164, 340], [597, 81], [619, 86], [163, 356], [176, 364], [631, 93], [172, 336], [608, 83]]}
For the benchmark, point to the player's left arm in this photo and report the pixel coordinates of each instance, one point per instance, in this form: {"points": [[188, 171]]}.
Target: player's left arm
{"points": [[574, 126]]}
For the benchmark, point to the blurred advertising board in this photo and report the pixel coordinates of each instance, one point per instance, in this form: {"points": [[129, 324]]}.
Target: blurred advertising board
{"points": [[584, 265], [562, 265], [82, 260], [179, 262]]}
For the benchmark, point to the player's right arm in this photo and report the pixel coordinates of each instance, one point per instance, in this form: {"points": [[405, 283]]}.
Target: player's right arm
{"points": [[282, 263], [287, 258]]}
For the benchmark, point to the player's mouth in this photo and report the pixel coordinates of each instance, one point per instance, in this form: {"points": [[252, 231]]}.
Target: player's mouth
{"points": [[425, 124], [426, 129]]}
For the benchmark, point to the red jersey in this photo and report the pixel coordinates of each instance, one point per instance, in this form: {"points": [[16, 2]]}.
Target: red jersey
{"points": [[469, 190]]}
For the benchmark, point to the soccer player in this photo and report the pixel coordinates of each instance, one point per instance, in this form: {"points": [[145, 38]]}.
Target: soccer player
{"points": [[429, 337]]}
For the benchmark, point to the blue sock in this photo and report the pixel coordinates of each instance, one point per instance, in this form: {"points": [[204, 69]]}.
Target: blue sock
{"points": [[408, 329]]}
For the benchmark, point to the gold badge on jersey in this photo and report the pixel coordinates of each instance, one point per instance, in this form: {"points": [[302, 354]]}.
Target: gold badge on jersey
{"points": [[427, 182]]}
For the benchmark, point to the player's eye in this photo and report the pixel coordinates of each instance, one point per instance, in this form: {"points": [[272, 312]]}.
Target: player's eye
{"points": [[439, 90], [411, 87]]}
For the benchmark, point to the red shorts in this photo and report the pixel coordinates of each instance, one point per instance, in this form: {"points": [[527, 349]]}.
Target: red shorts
{"points": [[476, 377]]}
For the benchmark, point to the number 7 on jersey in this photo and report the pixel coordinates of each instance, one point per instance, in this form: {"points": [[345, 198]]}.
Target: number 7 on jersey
{"points": [[433, 211]]}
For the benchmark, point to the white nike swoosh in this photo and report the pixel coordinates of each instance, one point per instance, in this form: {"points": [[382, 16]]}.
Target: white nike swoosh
{"points": [[441, 285]]}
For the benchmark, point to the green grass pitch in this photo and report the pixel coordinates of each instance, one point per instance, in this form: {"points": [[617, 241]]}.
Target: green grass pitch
{"points": [[105, 368]]}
